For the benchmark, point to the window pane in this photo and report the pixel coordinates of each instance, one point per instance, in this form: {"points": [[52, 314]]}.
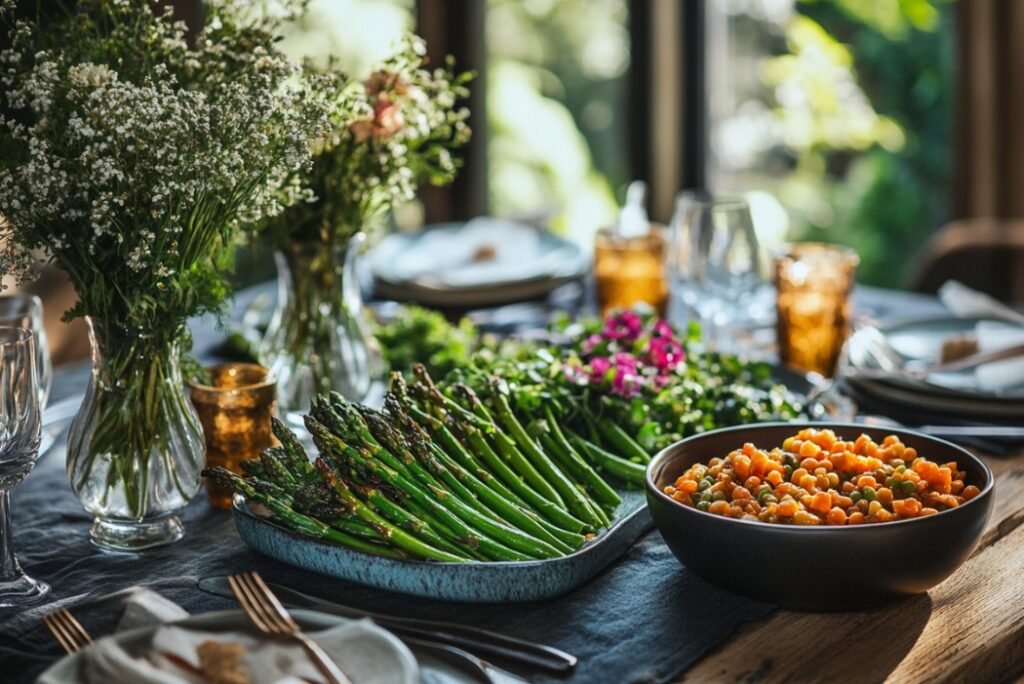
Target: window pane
{"points": [[840, 110], [556, 99], [359, 33]]}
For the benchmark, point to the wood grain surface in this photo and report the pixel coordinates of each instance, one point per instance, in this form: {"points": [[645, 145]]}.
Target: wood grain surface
{"points": [[969, 628]]}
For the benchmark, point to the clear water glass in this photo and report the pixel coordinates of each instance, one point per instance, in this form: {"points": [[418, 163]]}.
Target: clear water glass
{"points": [[20, 427], [23, 310], [715, 261]]}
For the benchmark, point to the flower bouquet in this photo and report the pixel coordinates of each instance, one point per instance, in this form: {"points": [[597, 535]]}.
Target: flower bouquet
{"points": [[390, 132], [130, 158]]}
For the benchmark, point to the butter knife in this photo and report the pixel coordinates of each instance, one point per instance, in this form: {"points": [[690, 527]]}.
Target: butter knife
{"points": [[477, 641]]}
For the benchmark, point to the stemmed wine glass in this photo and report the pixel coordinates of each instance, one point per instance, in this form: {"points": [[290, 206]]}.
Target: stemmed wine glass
{"points": [[20, 427], [716, 260], [23, 310]]}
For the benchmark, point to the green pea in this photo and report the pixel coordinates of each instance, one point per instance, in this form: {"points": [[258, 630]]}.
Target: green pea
{"points": [[718, 496], [869, 493], [770, 499], [706, 496], [703, 505], [855, 496], [901, 469], [908, 486]]}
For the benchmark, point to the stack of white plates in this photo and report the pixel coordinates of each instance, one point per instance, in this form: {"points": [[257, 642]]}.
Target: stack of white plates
{"points": [[483, 262], [964, 396]]}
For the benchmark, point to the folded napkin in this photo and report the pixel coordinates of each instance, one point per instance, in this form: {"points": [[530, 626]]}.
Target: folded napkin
{"points": [[365, 652], [999, 375], [965, 302]]}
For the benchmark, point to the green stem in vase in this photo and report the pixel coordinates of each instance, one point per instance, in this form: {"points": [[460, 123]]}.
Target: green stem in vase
{"points": [[133, 417]]}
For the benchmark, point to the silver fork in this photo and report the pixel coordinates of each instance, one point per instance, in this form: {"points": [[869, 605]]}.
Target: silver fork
{"points": [[68, 631], [271, 617]]}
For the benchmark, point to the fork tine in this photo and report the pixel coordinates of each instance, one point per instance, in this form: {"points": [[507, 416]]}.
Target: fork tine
{"points": [[63, 637], [277, 625], [247, 607], [277, 606], [76, 627]]}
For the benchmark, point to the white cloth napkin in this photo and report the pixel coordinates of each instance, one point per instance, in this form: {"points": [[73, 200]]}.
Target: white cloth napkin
{"points": [[991, 335], [366, 653], [999, 375]]}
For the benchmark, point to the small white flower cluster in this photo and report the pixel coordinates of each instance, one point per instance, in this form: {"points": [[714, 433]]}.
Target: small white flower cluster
{"points": [[135, 178]]}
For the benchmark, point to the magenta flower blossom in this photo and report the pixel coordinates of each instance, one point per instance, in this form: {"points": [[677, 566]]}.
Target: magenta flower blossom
{"points": [[591, 343], [599, 367], [636, 354], [626, 326], [663, 329], [665, 353]]}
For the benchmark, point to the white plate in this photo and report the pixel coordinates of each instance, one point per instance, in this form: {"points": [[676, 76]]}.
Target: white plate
{"points": [[67, 670], [436, 266], [921, 340]]}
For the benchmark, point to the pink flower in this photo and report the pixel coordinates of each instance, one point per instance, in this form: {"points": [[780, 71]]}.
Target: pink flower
{"points": [[625, 382], [387, 120], [591, 343], [626, 326], [663, 329], [665, 354], [626, 361], [599, 367]]}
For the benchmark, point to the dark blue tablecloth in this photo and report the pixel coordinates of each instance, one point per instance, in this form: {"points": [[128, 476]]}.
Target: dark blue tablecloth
{"points": [[645, 619]]}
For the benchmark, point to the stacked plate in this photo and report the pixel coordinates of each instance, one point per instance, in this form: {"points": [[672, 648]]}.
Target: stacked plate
{"points": [[993, 393], [480, 263]]}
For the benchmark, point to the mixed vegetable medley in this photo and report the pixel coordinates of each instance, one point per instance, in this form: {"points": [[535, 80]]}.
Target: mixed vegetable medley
{"points": [[817, 478]]}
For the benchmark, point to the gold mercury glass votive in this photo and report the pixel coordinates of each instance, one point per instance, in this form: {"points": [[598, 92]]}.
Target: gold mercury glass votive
{"points": [[814, 283], [630, 271], [235, 411]]}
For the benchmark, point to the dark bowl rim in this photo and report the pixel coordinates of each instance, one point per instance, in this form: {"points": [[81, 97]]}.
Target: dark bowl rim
{"points": [[665, 453]]}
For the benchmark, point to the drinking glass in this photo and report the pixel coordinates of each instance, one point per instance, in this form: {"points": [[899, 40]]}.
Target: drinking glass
{"points": [[714, 260], [814, 282], [22, 310], [20, 425], [630, 271], [235, 409]]}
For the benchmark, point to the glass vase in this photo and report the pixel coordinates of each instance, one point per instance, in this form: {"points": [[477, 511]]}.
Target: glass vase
{"points": [[135, 448], [319, 340]]}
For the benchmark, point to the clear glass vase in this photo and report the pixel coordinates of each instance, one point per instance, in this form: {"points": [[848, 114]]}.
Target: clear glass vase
{"points": [[135, 448], [319, 340]]}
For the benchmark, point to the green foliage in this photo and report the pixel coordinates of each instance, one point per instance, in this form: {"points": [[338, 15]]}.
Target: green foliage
{"points": [[889, 200], [418, 335]]}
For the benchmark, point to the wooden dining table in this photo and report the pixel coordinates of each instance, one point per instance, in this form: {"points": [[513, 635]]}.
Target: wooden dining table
{"points": [[968, 628]]}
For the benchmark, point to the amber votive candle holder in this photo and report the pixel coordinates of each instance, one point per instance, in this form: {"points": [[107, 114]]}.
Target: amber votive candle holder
{"points": [[235, 410], [814, 282], [630, 271]]}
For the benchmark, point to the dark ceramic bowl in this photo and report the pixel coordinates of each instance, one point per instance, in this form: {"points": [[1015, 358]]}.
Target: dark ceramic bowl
{"points": [[817, 568]]}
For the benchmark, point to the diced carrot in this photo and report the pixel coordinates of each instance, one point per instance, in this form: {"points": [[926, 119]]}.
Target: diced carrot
{"points": [[821, 502]]}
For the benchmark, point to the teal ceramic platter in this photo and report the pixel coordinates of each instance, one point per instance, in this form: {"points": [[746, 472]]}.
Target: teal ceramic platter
{"points": [[492, 582]]}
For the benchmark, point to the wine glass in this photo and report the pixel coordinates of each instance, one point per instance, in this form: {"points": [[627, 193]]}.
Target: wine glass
{"points": [[20, 426], [717, 260], [22, 310]]}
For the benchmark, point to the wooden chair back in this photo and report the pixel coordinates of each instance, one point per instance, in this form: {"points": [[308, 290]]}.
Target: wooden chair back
{"points": [[984, 253]]}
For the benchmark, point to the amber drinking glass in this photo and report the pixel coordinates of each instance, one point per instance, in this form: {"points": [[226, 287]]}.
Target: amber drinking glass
{"points": [[235, 410], [630, 271], [814, 282]]}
